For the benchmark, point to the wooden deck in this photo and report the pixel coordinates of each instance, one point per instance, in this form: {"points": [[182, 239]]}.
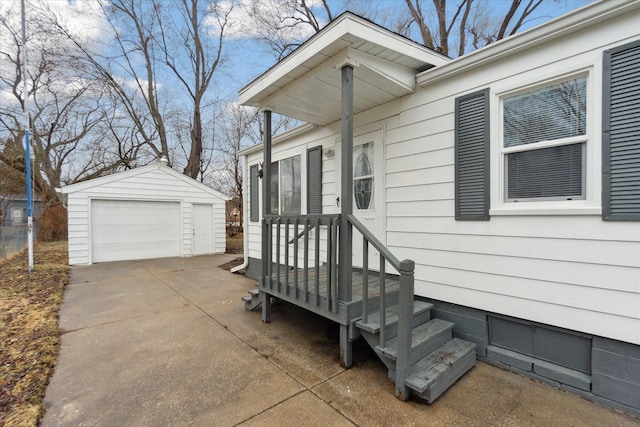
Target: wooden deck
{"points": [[318, 291]]}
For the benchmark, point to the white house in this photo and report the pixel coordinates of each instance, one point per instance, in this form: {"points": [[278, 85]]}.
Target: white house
{"points": [[510, 176], [147, 212]]}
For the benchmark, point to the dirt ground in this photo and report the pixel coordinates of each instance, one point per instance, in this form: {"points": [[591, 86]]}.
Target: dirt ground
{"points": [[29, 304]]}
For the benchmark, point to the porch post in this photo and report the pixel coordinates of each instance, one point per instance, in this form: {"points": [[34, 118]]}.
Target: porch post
{"points": [[346, 208], [346, 192], [266, 210]]}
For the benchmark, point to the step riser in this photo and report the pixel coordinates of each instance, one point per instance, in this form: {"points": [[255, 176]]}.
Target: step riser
{"points": [[427, 347], [460, 368], [392, 331], [372, 325], [374, 303], [251, 303]]}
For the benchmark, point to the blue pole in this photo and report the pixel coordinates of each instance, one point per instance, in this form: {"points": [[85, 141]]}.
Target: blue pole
{"points": [[27, 146], [28, 172]]}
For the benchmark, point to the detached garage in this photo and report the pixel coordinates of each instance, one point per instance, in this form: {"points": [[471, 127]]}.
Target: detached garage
{"points": [[148, 212]]}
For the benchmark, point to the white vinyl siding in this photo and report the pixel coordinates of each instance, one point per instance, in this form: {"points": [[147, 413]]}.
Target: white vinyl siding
{"points": [[548, 265], [557, 264]]}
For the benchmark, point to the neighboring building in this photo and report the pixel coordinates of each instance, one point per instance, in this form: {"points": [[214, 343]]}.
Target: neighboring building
{"points": [[234, 213], [147, 212], [13, 208], [510, 175]]}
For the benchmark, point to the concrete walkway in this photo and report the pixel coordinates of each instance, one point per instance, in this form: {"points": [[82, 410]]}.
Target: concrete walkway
{"points": [[167, 342]]}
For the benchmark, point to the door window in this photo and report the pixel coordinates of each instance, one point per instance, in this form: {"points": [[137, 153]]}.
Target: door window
{"points": [[363, 176]]}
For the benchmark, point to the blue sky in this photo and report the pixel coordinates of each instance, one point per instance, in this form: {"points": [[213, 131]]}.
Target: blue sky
{"points": [[251, 58]]}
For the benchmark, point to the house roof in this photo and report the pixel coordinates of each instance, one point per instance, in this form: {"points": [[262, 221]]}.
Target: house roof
{"points": [[85, 185], [571, 22], [306, 85]]}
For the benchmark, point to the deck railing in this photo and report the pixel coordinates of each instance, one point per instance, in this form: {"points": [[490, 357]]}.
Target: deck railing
{"points": [[405, 299], [302, 260], [301, 265]]}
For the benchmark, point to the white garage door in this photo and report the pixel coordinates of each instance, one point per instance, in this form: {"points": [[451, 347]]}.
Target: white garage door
{"points": [[133, 229]]}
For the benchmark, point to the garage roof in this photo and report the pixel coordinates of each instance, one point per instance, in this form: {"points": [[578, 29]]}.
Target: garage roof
{"points": [[85, 185]]}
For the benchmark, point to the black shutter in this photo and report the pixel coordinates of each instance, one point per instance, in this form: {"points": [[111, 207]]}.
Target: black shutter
{"points": [[472, 156], [314, 180], [253, 194], [621, 134]]}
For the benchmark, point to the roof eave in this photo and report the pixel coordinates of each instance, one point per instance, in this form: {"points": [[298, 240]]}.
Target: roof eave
{"points": [[346, 24], [573, 21]]}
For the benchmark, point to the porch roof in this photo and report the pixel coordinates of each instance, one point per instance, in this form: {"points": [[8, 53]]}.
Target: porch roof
{"points": [[306, 85]]}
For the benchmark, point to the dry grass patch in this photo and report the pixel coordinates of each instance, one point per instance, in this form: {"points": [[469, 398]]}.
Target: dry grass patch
{"points": [[29, 304]]}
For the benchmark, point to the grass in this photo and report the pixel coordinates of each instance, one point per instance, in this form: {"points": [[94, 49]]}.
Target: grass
{"points": [[235, 241], [29, 335]]}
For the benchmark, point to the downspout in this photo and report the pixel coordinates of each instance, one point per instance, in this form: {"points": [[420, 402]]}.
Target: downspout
{"points": [[245, 235]]}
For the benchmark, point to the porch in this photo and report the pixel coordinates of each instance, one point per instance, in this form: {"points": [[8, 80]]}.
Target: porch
{"points": [[370, 298], [309, 257]]}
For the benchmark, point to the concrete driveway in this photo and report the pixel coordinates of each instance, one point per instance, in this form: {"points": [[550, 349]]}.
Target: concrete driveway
{"points": [[167, 342]]}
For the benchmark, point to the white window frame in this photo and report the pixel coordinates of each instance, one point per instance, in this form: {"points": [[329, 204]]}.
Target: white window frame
{"points": [[302, 183], [589, 205]]}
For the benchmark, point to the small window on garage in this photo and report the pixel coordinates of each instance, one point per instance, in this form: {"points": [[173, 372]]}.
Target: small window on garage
{"points": [[561, 347]]}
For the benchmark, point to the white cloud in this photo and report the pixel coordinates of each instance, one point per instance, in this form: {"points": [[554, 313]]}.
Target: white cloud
{"points": [[242, 22]]}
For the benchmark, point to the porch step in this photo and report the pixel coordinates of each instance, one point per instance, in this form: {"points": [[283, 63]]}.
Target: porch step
{"points": [[425, 339], [435, 373], [252, 301], [421, 314]]}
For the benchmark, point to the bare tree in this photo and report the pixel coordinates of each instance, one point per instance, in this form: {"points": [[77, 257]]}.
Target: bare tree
{"points": [[238, 127], [64, 107], [162, 47], [195, 68], [452, 27], [469, 17]]}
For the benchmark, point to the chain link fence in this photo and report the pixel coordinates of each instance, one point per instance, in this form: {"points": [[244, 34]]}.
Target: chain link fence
{"points": [[13, 238]]}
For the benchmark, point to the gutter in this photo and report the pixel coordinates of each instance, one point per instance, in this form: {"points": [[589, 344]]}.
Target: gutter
{"points": [[572, 22], [245, 235]]}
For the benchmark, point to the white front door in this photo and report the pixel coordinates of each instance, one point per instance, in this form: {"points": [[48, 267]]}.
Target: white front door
{"points": [[368, 192], [202, 229]]}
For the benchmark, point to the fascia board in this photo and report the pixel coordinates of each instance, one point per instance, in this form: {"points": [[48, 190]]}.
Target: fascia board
{"points": [[194, 183], [348, 24], [85, 185], [574, 21], [285, 136]]}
